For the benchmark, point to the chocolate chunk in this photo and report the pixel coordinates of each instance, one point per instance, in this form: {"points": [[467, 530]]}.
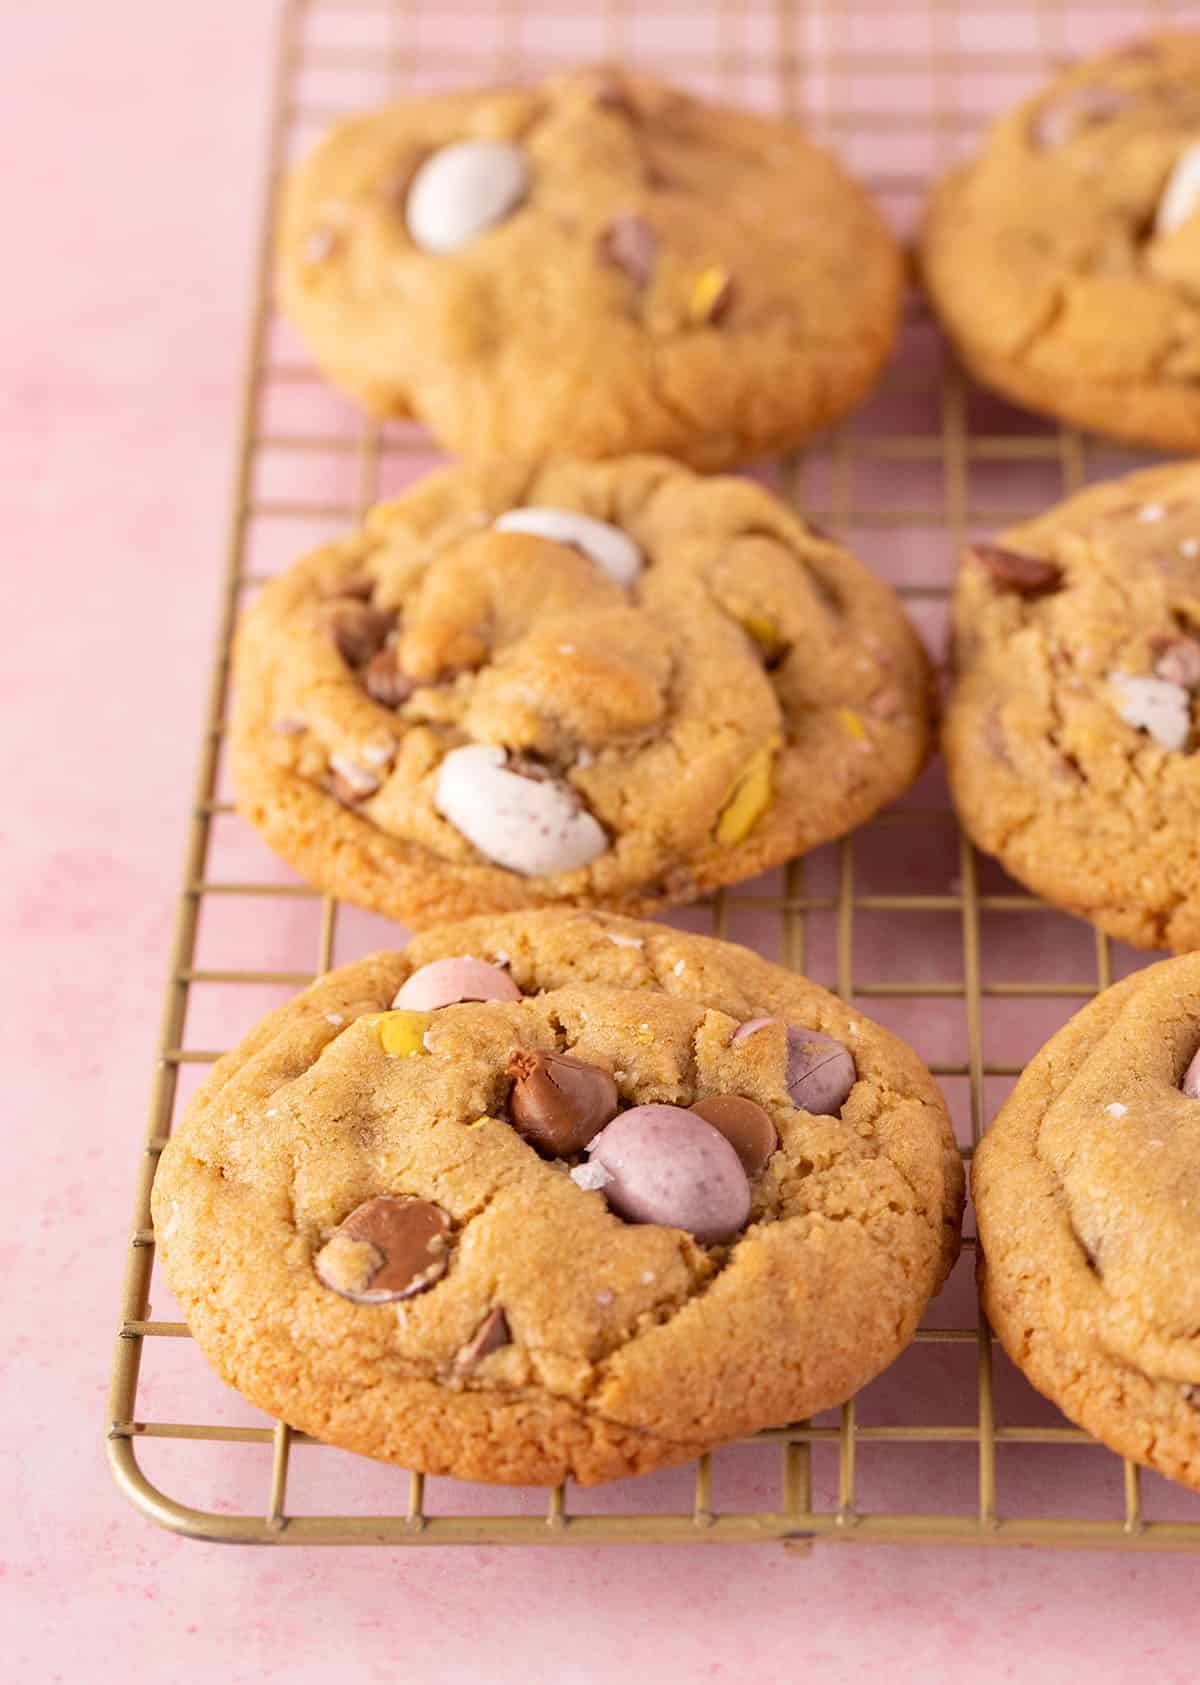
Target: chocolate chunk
{"points": [[631, 244], [1013, 570], [558, 1103], [386, 683], [491, 1335], [357, 629], [386, 1249], [744, 1124]]}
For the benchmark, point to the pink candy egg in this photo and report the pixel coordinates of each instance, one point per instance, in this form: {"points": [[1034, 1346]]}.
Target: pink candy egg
{"points": [[666, 1165], [446, 982]]}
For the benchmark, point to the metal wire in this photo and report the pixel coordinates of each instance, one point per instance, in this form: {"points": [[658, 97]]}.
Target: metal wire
{"points": [[815, 61]]}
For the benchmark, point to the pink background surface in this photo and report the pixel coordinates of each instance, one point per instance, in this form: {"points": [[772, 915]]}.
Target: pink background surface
{"points": [[117, 405]]}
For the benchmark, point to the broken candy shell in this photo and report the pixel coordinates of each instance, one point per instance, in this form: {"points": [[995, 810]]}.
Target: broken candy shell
{"points": [[386, 1249], [463, 189], [1191, 1079], [1156, 706], [537, 827], [446, 982], [400, 1033], [1181, 196], [669, 1166], [744, 1124], [749, 799], [711, 295], [612, 550]]}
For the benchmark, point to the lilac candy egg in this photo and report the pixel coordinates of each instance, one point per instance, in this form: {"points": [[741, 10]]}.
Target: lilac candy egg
{"points": [[446, 982], [666, 1165], [820, 1071]]}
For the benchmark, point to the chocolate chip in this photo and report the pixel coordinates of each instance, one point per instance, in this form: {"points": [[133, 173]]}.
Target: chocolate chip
{"points": [[386, 1249], [558, 1103], [357, 629], [631, 244], [491, 1335], [1013, 570], [386, 682], [744, 1124]]}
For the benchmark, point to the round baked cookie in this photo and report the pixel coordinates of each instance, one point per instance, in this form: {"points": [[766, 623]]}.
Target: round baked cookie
{"points": [[1064, 260], [1071, 736], [616, 684], [557, 1194], [1086, 1189], [594, 266]]}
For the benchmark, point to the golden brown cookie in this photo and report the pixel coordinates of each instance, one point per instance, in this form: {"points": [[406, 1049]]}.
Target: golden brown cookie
{"points": [[608, 684], [1064, 260], [1072, 736], [1087, 1192], [594, 266], [385, 1225]]}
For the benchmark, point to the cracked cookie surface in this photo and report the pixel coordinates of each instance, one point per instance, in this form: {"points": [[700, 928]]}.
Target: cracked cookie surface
{"points": [[549, 1337], [647, 272], [1087, 1189], [446, 714], [1064, 260], [1071, 736]]}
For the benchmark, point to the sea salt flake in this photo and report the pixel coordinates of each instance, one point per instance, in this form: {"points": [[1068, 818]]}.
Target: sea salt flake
{"points": [[426, 1043], [334, 1018], [605, 1296], [679, 967], [647, 1277], [1152, 512], [1190, 547], [590, 1177], [625, 941], [1116, 1109]]}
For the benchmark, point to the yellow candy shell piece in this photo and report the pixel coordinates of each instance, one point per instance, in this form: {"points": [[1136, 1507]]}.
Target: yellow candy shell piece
{"points": [[749, 799], [401, 1034], [762, 630], [852, 723], [710, 294]]}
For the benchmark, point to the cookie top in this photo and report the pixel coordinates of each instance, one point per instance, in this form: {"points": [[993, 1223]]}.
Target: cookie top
{"points": [[491, 1238], [1064, 259], [1087, 1189], [594, 266], [1072, 734], [614, 684]]}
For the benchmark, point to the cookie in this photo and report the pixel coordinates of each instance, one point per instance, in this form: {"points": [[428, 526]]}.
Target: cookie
{"points": [[1086, 1190], [1064, 260], [591, 267], [589, 1225], [1072, 736], [607, 684]]}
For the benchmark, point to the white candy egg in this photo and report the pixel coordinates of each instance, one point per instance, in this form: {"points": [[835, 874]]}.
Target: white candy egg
{"points": [[463, 189], [530, 825], [607, 546]]}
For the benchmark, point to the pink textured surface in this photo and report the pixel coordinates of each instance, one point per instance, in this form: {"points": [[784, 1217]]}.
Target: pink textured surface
{"points": [[139, 128]]}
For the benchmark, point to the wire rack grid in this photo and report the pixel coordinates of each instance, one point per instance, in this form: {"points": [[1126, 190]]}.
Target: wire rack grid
{"points": [[951, 1445]]}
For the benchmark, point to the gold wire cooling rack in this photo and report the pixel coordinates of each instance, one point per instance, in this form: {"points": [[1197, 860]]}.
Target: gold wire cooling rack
{"points": [[951, 1445]]}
